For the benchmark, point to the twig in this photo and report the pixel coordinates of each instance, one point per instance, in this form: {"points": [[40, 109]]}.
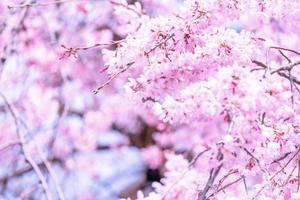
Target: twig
{"points": [[23, 170], [262, 67], [289, 176], [112, 78], [225, 177], [285, 49], [194, 160], [285, 56], [9, 144], [256, 159], [163, 41], [226, 186], [230, 127], [245, 185], [73, 51], [281, 158], [258, 63], [291, 86], [295, 80]]}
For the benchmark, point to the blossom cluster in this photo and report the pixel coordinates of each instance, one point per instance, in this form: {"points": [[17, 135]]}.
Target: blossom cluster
{"points": [[230, 65]]}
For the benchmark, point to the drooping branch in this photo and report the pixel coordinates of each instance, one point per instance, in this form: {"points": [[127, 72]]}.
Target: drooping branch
{"points": [[27, 156], [45, 162]]}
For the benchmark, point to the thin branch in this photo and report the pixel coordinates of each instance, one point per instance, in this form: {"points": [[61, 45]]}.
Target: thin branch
{"points": [[163, 41], [289, 176], [245, 185], [26, 169], [112, 78], [262, 67], [221, 181], [260, 64], [194, 160], [225, 186], [297, 88], [256, 159], [73, 51], [285, 56], [291, 86], [230, 127], [286, 163], [295, 80], [9, 144], [285, 49], [281, 158]]}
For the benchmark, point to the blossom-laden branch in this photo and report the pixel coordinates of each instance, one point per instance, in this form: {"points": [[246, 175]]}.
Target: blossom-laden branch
{"points": [[278, 172], [73, 51]]}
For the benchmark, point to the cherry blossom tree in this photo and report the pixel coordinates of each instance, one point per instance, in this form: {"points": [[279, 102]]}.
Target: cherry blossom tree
{"points": [[207, 91], [222, 77], [54, 130]]}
